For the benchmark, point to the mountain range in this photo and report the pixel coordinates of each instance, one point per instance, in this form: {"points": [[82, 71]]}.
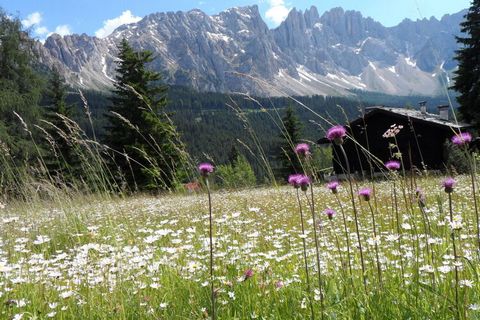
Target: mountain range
{"points": [[235, 51]]}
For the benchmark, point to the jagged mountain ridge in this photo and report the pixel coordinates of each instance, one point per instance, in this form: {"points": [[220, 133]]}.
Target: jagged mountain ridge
{"points": [[235, 51]]}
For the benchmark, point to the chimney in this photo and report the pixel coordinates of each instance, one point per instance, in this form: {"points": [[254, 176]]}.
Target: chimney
{"points": [[423, 107], [443, 112]]}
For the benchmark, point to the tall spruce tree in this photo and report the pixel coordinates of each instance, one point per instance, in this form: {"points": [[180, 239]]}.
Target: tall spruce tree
{"points": [[20, 88], [467, 79], [146, 145], [60, 160], [291, 133]]}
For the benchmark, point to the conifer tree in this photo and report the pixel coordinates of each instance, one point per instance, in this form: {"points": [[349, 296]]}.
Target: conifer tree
{"points": [[61, 160], [467, 79], [146, 145], [20, 88], [291, 133]]}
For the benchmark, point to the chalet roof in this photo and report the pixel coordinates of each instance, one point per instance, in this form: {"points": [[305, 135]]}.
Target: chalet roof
{"points": [[416, 115]]}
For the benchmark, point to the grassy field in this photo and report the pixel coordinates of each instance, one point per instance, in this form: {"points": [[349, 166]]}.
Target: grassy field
{"points": [[147, 257]]}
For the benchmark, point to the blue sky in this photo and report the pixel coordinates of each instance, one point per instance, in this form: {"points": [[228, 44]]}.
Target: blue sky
{"points": [[100, 17]]}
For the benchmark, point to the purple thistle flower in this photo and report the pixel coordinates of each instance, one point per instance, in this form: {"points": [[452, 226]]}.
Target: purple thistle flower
{"points": [[336, 134], [462, 138], [304, 182], [330, 213], [365, 193], [302, 149], [247, 274], [279, 284], [293, 180], [392, 165], [448, 184], [333, 185], [205, 168]]}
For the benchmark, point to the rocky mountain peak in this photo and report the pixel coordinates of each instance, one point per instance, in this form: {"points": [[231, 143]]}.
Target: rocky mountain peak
{"points": [[308, 53]]}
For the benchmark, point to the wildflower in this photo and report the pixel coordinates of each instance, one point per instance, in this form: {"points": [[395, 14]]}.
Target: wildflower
{"points": [[462, 138], [317, 295], [304, 182], [365, 193], [205, 168], [302, 149], [293, 180], [406, 226], [427, 268], [41, 240], [392, 165], [279, 284], [456, 223], [448, 184], [474, 307], [333, 185], [466, 283], [247, 274], [444, 269], [392, 131], [303, 304], [330, 213], [336, 134], [66, 294]]}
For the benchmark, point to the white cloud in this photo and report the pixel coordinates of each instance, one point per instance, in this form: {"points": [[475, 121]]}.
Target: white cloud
{"points": [[32, 19], [277, 12], [111, 24], [41, 30], [63, 30]]}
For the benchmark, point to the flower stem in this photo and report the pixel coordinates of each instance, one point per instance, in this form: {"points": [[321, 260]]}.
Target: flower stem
{"points": [[314, 218], [305, 257], [356, 216], [211, 249], [399, 230], [379, 267], [347, 236], [457, 305]]}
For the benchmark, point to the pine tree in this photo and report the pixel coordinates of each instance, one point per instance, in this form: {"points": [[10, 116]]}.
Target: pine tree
{"points": [[60, 160], [146, 145], [20, 88], [290, 136], [233, 154], [467, 79]]}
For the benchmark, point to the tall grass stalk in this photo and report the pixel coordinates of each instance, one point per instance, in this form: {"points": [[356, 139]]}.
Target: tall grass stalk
{"points": [[355, 214], [379, 266], [316, 223], [457, 298], [309, 291], [399, 229], [347, 235]]}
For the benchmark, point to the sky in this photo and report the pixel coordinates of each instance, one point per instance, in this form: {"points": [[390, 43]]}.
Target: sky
{"points": [[101, 17]]}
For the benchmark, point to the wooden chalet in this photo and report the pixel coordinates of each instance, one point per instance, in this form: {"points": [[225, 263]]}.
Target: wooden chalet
{"points": [[420, 137]]}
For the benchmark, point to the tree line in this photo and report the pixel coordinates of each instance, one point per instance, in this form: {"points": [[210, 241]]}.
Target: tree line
{"points": [[144, 135]]}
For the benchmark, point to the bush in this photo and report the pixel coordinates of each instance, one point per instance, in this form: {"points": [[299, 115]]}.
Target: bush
{"points": [[238, 174]]}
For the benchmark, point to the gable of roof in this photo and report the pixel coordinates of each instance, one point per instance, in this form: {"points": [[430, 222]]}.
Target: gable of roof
{"points": [[416, 115]]}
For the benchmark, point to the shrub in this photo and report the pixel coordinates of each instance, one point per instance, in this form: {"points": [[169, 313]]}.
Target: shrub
{"points": [[238, 174]]}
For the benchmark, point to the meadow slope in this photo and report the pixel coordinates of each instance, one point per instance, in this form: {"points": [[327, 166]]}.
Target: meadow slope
{"points": [[146, 257]]}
